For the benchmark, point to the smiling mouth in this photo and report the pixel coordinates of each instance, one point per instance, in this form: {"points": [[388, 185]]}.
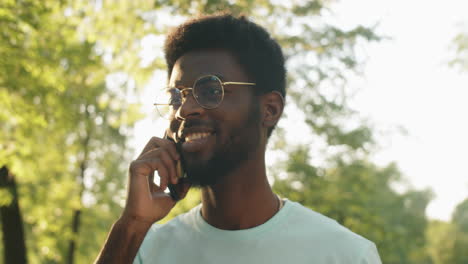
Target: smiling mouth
{"points": [[196, 136], [197, 141]]}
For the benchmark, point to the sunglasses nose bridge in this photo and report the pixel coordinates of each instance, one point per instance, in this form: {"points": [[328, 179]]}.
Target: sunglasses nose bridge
{"points": [[189, 104], [184, 94]]}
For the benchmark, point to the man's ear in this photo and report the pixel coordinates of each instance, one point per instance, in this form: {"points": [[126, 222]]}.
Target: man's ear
{"points": [[272, 108]]}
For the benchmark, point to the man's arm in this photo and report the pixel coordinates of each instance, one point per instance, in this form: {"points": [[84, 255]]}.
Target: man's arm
{"points": [[123, 242], [146, 202]]}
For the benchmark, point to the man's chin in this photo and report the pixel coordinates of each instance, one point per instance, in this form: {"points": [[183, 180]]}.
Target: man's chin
{"points": [[203, 173], [201, 177]]}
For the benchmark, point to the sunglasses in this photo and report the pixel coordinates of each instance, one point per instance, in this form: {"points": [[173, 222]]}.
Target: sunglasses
{"points": [[207, 90]]}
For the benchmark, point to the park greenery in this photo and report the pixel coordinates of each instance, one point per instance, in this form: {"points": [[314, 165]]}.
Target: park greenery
{"points": [[67, 69]]}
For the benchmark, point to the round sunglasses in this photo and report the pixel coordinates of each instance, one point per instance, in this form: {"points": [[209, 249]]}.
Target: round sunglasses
{"points": [[207, 90]]}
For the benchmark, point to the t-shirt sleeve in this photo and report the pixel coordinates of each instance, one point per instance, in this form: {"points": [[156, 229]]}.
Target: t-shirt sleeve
{"points": [[146, 245], [371, 255]]}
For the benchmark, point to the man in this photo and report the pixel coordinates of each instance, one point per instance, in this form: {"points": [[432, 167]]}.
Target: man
{"points": [[226, 94]]}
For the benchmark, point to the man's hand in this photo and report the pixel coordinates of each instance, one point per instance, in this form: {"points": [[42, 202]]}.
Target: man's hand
{"points": [[147, 201]]}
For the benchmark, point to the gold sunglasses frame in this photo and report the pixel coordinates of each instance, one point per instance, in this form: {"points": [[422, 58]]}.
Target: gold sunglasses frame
{"points": [[182, 91]]}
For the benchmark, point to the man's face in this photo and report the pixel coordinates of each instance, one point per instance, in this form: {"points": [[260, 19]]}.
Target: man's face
{"points": [[216, 141]]}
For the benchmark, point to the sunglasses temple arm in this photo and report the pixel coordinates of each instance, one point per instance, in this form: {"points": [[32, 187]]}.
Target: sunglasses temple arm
{"points": [[240, 83]]}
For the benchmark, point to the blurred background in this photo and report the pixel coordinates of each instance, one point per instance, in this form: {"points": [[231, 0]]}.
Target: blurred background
{"points": [[374, 134]]}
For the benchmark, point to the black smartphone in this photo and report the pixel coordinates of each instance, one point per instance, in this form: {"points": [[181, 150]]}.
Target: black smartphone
{"points": [[176, 189]]}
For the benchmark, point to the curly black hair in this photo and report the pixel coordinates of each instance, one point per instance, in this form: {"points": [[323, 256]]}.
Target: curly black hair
{"points": [[257, 52]]}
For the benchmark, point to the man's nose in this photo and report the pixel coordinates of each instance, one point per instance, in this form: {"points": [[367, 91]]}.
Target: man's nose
{"points": [[189, 107]]}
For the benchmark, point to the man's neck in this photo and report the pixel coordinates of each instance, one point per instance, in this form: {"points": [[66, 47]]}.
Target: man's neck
{"points": [[242, 200]]}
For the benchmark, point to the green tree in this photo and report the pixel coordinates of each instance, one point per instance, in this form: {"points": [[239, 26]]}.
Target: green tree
{"points": [[11, 219], [64, 131], [440, 241], [460, 45], [448, 241], [460, 224]]}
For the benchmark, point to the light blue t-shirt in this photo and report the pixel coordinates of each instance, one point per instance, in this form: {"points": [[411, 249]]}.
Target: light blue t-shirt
{"points": [[295, 234]]}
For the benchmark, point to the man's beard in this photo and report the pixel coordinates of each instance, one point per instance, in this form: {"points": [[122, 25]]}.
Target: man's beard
{"points": [[242, 142]]}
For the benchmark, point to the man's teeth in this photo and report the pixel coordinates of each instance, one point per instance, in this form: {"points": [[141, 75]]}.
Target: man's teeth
{"points": [[196, 136]]}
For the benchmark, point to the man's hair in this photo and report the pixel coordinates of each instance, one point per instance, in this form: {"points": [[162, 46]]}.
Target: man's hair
{"points": [[256, 51]]}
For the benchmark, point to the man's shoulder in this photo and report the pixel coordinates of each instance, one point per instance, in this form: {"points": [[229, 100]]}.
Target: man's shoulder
{"points": [[312, 226], [326, 238]]}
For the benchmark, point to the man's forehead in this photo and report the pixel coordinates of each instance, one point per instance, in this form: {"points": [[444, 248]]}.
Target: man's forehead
{"points": [[195, 64]]}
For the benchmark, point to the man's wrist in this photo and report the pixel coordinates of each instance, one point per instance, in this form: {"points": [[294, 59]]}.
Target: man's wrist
{"points": [[124, 240], [133, 224]]}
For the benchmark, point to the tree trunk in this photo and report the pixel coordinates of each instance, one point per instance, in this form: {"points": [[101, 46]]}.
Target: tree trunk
{"points": [[12, 222], [75, 228], [77, 213]]}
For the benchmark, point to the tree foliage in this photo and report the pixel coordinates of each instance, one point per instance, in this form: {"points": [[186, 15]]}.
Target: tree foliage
{"points": [[460, 234], [448, 241], [440, 241], [460, 44], [64, 129]]}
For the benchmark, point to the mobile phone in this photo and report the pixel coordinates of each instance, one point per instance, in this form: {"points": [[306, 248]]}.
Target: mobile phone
{"points": [[175, 189]]}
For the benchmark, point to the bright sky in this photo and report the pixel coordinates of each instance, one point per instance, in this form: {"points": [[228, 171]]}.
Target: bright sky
{"points": [[406, 82]]}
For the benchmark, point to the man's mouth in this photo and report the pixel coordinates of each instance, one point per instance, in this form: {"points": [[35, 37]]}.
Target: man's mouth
{"points": [[196, 139], [196, 136], [194, 133]]}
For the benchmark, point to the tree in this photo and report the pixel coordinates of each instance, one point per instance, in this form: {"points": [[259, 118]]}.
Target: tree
{"points": [[11, 219], [448, 241], [440, 241], [460, 43], [17, 116], [62, 126], [460, 224]]}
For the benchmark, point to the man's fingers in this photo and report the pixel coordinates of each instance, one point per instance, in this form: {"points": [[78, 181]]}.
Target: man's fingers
{"points": [[144, 168], [155, 188], [163, 173], [156, 143], [150, 145], [166, 158], [171, 166], [151, 181]]}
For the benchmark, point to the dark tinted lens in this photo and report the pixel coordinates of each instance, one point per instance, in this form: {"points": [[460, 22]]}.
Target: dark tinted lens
{"points": [[208, 91]]}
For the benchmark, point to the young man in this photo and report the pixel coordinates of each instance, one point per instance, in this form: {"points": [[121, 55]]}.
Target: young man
{"points": [[226, 94]]}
